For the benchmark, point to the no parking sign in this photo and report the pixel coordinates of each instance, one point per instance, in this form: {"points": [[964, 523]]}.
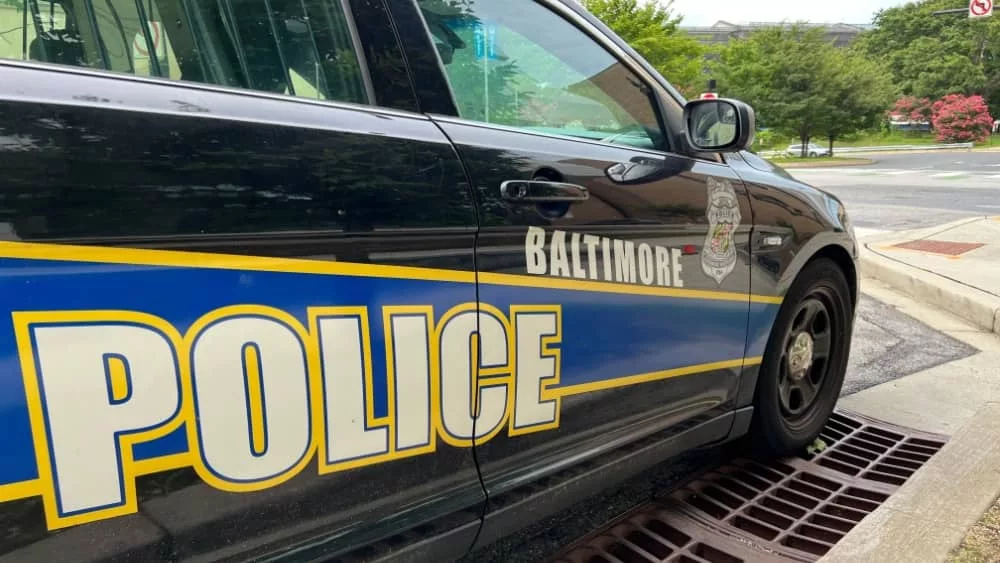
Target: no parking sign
{"points": [[140, 46], [980, 8]]}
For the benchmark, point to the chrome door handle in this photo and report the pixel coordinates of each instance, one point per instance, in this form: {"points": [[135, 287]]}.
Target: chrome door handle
{"points": [[537, 191]]}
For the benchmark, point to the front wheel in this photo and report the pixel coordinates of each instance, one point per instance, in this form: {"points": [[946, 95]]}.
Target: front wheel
{"points": [[804, 362]]}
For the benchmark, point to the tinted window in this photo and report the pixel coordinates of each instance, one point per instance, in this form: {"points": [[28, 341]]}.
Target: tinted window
{"points": [[296, 47], [517, 63]]}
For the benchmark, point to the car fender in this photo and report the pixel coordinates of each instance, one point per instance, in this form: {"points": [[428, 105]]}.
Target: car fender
{"points": [[825, 243], [808, 220]]}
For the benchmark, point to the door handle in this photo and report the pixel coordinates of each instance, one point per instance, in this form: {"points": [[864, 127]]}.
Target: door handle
{"points": [[537, 191]]}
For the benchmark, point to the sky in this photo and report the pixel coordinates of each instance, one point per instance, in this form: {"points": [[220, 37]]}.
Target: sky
{"points": [[702, 12]]}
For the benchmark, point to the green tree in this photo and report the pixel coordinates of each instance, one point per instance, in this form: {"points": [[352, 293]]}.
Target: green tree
{"points": [[801, 85], [653, 30], [935, 55], [785, 73], [859, 92]]}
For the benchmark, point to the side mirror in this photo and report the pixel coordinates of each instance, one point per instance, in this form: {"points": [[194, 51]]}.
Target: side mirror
{"points": [[719, 125]]}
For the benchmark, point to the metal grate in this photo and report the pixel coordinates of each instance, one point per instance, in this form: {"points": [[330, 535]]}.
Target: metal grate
{"points": [[662, 535], [875, 451], [794, 509]]}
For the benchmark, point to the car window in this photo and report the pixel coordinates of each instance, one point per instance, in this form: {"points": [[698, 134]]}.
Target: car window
{"points": [[296, 47], [518, 64]]}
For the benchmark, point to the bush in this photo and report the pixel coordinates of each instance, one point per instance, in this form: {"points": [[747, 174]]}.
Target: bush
{"points": [[920, 110], [962, 119]]}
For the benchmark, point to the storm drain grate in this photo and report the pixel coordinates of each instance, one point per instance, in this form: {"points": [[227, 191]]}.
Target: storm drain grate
{"points": [[794, 509], [875, 451]]}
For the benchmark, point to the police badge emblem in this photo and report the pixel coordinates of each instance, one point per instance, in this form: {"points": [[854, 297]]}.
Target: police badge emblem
{"points": [[718, 257]]}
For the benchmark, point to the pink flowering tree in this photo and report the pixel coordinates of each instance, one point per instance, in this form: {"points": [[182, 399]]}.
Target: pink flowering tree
{"points": [[961, 119], [920, 110]]}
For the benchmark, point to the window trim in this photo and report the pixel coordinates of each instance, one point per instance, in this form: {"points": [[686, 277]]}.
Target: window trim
{"points": [[560, 10], [714, 159], [413, 39], [518, 130], [41, 66], [359, 52]]}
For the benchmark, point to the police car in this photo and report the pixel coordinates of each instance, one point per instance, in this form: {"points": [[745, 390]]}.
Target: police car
{"points": [[362, 279]]}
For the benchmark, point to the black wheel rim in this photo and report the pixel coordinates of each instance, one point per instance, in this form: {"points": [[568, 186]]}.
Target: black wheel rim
{"points": [[806, 358]]}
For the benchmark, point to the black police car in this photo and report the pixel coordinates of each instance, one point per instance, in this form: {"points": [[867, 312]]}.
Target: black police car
{"points": [[352, 279]]}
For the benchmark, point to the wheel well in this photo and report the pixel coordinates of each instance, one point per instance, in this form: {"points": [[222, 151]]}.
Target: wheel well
{"points": [[840, 257]]}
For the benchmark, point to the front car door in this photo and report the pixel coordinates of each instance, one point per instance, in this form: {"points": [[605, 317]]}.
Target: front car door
{"points": [[616, 265], [220, 305]]}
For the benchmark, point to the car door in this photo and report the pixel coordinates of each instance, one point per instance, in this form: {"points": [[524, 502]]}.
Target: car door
{"points": [[618, 266], [223, 271]]}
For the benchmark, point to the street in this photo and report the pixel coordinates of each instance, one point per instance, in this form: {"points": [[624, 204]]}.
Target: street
{"points": [[911, 191]]}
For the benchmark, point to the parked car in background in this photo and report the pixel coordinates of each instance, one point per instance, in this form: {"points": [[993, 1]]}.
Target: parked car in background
{"points": [[812, 150]]}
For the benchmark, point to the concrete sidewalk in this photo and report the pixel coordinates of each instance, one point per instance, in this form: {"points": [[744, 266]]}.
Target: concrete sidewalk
{"points": [[929, 516], [955, 267], [947, 277]]}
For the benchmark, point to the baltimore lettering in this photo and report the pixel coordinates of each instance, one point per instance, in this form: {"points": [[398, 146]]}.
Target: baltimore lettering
{"points": [[590, 257]]}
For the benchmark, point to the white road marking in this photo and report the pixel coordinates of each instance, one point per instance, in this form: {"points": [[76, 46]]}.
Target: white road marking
{"points": [[863, 233]]}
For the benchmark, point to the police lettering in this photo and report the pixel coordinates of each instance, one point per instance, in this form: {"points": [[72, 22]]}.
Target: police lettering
{"points": [[260, 394], [589, 257]]}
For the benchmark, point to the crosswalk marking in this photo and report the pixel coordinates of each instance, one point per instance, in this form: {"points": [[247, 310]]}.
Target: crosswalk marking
{"points": [[863, 233]]}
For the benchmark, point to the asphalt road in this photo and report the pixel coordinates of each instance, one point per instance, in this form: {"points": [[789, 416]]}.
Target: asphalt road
{"points": [[909, 191], [944, 161], [898, 192]]}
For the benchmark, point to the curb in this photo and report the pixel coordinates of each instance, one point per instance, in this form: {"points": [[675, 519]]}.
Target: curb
{"points": [[973, 305], [793, 165], [931, 514]]}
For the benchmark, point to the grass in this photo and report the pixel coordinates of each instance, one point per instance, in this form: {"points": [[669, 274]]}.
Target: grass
{"points": [[982, 543]]}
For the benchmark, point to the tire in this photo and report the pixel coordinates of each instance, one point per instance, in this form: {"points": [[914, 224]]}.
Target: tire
{"points": [[786, 419], [813, 155]]}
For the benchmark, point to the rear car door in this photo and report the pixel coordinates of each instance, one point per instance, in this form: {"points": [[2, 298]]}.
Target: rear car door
{"points": [[222, 273], [617, 266]]}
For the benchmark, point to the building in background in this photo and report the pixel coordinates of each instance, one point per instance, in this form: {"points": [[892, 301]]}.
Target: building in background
{"points": [[840, 34]]}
